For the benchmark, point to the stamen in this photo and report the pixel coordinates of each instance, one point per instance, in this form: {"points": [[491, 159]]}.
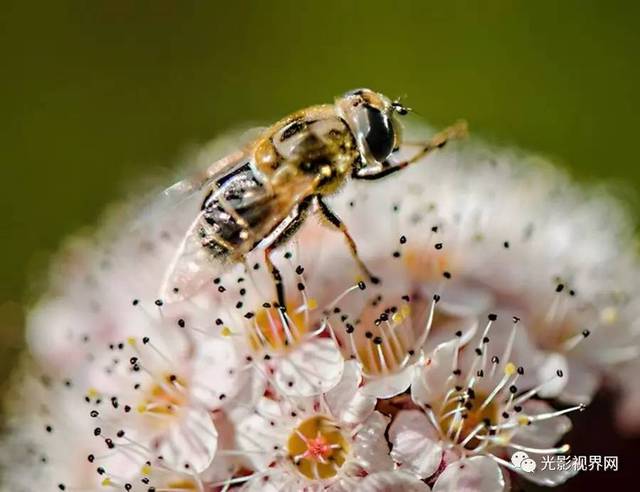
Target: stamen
{"points": [[289, 338], [529, 394], [427, 329], [344, 294], [381, 358], [574, 341], [258, 331], [277, 339], [506, 354], [557, 450], [551, 415], [480, 354], [509, 371], [472, 434], [237, 480]]}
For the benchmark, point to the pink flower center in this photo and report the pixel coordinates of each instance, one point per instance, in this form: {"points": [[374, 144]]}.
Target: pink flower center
{"points": [[318, 448]]}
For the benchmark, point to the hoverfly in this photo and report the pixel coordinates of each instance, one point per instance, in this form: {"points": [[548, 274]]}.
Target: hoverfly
{"points": [[258, 197]]}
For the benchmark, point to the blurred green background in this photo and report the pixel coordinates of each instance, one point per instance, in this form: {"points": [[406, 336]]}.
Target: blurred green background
{"points": [[96, 94]]}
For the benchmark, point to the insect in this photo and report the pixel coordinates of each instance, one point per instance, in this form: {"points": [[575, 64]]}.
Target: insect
{"points": [[259, 196]]}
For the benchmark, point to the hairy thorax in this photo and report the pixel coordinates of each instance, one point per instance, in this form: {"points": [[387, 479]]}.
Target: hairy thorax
{"points": [[315, 146]]}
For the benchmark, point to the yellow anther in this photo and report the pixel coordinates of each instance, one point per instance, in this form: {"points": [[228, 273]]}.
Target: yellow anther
{"points": [[510, 369], [397, 318], [226, 331], [92, 393], [106, 482], [522, 420], [141, 408], [312, 303], [609, 315], [146, 470], [501, 440]]}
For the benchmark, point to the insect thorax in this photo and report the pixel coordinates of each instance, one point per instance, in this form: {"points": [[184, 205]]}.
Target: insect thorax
{"points": [[315, 143]]}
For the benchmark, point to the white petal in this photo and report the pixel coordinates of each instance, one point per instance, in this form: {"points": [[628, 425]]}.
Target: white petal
{"points": [[216, 374], [544, 476], [192, 441], [476, 474], [430, 380], [464, 300], [312, 368], [223, 465], [582, 383], [370, 449], [272, 482], [544, 433], [389, 386], [254, 434], [445, 331], [348, 403], [53, 335], [547, 372], [391, 482], [414, 443]]}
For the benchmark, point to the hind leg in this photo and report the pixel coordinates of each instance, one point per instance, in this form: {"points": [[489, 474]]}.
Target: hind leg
{"points": [[284, 236]]}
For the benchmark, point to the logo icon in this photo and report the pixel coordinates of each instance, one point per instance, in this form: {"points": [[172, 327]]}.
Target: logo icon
{"points": [[521, 460]]}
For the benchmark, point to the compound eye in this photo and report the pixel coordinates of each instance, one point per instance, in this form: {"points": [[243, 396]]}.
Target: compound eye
{"points": [[380, 136]]}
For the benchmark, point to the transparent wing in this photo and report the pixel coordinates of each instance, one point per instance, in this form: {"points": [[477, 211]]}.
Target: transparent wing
{"points": [[183, 189], [215, 159], [192, 264], [190, 267]]}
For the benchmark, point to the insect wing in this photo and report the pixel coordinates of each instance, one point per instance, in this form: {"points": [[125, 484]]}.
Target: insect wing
{"points": [[192, 264], [190, 267], [215, 159], [182, 189]]}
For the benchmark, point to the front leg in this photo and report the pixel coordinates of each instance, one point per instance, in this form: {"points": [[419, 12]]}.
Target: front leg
{"points": [[334, 220], [459, 130]]}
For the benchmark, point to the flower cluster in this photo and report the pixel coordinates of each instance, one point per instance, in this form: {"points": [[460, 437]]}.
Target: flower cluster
{"points": [[506, 298]]}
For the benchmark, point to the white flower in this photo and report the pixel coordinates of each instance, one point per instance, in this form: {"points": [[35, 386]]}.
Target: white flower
{"points": [[46, 445], [390, 482], [476, 409], [327, 442], [157, 403]]}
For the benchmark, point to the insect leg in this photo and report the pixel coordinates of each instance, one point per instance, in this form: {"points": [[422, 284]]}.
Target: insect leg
{"points": [[277, 277], [335, 221], [458, 130], [283, 237]]}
